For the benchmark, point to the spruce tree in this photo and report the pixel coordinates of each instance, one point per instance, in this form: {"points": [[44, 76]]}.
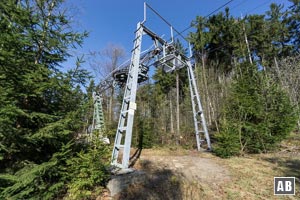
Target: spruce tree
{"points": [[42, 107], [258, 114]]}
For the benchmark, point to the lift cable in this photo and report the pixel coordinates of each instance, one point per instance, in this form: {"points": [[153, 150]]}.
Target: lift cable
{"points": [[219, 8], [168, 23], [249, 35]]}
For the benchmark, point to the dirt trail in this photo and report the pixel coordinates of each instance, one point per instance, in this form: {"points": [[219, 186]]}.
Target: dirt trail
{"points": [[190, 167], [172, 175], [178, 174], [190, 175]]}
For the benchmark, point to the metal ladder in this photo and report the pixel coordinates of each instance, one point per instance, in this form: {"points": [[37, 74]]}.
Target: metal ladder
{"points": [[198, 115], [124, 131], [98, 117]]}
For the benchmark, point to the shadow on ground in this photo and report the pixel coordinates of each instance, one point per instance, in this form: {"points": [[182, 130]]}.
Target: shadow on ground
{"points": [[156, 184], [136, 155], [289, 166]]}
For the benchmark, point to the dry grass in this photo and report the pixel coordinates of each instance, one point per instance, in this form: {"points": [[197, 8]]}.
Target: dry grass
{"points": [[251, 177]]}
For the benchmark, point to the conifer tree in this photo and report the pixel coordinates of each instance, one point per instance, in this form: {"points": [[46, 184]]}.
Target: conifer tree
{"points": [[257, 117], [42, 108]]}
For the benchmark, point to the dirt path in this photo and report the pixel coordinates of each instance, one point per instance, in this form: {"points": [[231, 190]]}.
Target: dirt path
{"points": [[172, 175], [191, 168], [190, 175]]}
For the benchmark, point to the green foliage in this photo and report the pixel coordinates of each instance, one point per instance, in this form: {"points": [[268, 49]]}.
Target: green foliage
{"points": [[258, 113], [220, 39], [87, 171], [35, 180], [217, 38], [42, 108], [145, 137], [67, 171], [37, 97], [293, 23], [257, 110], [164, 81], [228, 142]]}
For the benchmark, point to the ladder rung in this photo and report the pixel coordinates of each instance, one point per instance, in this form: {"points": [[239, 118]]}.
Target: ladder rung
{"points": [[127, 97], [124, 112], [122, 128], [137, 46], [131, 66], [119, 146], [118, 165], [137, 30], [136, 37]]}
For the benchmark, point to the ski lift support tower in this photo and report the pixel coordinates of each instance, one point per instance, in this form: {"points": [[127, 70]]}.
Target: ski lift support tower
{"points": [[166, 55]]}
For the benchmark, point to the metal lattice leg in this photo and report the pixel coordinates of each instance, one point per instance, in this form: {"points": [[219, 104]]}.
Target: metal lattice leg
{"points": [[198, 115], [98, 119], [124, 131]]}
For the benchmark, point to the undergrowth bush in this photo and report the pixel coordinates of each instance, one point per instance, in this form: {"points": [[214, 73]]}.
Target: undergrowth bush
{"points": [[228, 142], [67, 173], [88, 172]]}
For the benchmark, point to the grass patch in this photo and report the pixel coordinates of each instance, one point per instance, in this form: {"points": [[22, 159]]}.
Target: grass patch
{"points": [[252, 177]]}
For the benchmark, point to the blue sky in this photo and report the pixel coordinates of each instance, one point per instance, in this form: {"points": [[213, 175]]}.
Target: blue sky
{"points": [[114, 21]]}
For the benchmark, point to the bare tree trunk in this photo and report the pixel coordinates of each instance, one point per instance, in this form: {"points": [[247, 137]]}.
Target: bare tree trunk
{"points": [[177, 109], [111, 106], [206, 91], [109, 60], [171, 115], [247, 43], [284, 83]]}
